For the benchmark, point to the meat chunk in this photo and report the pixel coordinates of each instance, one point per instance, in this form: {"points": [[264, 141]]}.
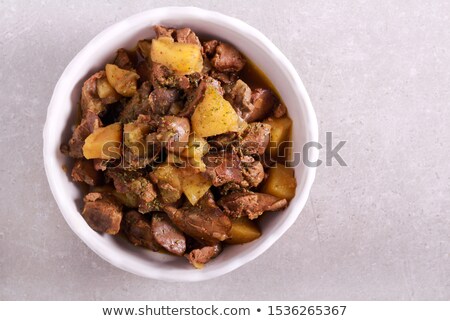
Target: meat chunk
{"points": [[100, 164], [162, 31], [199, 257], [252, 170], [183, 35], [138, 230], [137, 105], [84, 171], [162, 100], [167, 235], [135, 183], [144, 71], [161, 76], [102, 213], [264, 101], [186, 35], [252, 106], [123, 59], [224, 141], [174, 132], [250, 204], [240, 98], [90, 101], [88, 124], [227, 58], [255, 138], [223, 167], [209, 47], [204, 221], [224, 77]]}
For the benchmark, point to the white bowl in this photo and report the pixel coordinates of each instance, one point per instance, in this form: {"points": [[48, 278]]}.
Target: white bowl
{"points": [[62, 113]]}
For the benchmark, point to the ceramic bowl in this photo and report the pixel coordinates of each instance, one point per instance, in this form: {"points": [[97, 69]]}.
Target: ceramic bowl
{"points": [[62, 113]]}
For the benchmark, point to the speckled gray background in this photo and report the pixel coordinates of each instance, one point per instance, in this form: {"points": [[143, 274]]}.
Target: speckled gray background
{"points": [[378, 73]]}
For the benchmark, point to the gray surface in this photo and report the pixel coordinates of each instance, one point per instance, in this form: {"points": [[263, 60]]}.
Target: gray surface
{"points": [[378, 74]]}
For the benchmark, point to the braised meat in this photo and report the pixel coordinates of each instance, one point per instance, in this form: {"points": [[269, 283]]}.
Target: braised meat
{"points": [[223, 167], [227, 58], [255, 138], [102, 212], [250, 204], [90, 101], [135, 183], [162, 100], [88, 124], [137, 105], [138, 230], [167, 235], [199, 257], [84, 171], [204, 221]]}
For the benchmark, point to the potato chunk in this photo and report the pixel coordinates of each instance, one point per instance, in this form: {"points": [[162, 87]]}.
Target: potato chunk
{"points": [[128, 199], [106, 91], [214, 115], [196, 149], [134, 134], [104, 142], [195, 186], [243, 230], [123, 81], [281, 182], [279, 135], [169, 182], [182, 58]]}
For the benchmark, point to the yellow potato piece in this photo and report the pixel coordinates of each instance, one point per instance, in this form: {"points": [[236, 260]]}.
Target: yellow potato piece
{"points": [[182, 58], [123, 81], [105, 90], [281, 182], [104, 142], [167, 173], [243, 230], [214, 115], [134, 137], [197, 147], [195, 186], [279, 135], [128, 199], [144, 47]]}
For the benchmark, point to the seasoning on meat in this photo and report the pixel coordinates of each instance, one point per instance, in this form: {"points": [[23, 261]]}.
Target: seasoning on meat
{"points": [[255, 138], [133, 182]]}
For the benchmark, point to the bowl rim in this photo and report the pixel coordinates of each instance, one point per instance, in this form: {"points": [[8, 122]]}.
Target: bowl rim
{"points": [[238, 26]]}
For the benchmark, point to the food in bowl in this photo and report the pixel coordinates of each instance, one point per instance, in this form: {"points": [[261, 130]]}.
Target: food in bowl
{"points": [[181, 143]]}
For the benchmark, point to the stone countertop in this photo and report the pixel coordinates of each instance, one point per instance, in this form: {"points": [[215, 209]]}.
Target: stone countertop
{"points": [[378, 73]]}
